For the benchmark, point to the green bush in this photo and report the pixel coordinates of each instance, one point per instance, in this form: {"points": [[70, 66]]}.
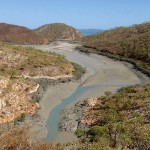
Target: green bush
{"points": [[21, 118]]}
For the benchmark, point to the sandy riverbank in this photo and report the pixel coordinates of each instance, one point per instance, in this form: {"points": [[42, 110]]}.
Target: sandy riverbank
{"points": [[103, 74]]}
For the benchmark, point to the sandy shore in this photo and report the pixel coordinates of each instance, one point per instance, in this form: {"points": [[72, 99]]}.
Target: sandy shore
{"points": [[103, 74]]}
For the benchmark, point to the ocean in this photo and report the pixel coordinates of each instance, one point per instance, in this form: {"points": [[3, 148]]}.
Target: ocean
{"points": [[89, 31]]}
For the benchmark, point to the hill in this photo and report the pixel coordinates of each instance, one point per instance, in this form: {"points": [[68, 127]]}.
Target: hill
{"points": [[131, 44], [58, 31], [19, 35]]}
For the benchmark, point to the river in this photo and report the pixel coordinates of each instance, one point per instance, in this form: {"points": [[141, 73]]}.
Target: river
{"points": [[102, 74]]}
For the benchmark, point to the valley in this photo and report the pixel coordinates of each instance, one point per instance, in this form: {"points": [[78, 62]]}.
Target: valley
{"points": [[92, 93], [102, 74]]}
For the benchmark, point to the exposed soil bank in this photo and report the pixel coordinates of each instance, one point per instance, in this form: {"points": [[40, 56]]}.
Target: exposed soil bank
{"points": [[103, 74]]}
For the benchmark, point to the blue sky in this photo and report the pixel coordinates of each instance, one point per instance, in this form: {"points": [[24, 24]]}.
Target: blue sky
{"points": [[100, 14]]}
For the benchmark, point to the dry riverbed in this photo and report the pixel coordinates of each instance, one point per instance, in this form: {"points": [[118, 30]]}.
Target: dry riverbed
{"points": [[102, 74]]}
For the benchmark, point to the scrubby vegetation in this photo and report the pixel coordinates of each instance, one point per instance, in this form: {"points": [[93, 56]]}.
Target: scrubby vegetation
{"points": [[16, 103], [121, 120], [19, 61], [132, 41], [123, 43], [116, 121]]}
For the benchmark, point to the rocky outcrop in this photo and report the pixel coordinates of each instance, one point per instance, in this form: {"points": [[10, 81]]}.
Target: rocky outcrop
{"points": [[70, 117], [77, 116], [58, 31], [15, 98]]}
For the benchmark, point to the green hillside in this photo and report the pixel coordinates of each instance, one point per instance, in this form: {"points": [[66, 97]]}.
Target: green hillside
{"points": [[132, 42]]}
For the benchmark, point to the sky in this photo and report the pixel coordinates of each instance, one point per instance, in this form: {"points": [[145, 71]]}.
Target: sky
{"points": [[81, 14]]}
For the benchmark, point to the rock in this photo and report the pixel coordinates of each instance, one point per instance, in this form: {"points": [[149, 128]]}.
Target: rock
{"points": [[70, 118], [37, 105], [2, 104]]}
